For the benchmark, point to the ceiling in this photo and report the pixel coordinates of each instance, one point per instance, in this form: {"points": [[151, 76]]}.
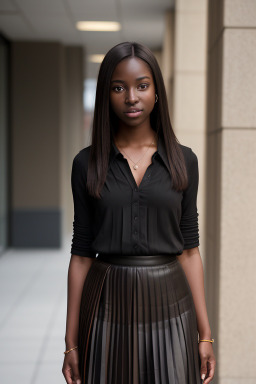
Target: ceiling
{"points": [[54, 20]]}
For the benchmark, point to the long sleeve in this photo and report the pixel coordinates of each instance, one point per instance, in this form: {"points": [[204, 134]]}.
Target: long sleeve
{"points": [[82, 229], [189, 219]]}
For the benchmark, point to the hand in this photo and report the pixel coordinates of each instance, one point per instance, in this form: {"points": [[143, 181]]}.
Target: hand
{"points": [[70, 368], [208, 361]]}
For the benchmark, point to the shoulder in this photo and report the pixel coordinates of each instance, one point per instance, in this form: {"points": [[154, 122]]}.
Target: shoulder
{"points": [[82, 156], [191, 162], [189, 155], [80, 161]]}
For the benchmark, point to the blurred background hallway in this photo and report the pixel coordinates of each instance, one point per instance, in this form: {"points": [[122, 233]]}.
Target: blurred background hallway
{"points": [[33, 315]]}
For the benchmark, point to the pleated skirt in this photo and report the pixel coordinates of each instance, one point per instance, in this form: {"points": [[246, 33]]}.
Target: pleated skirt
{"points": [[137, 325]]}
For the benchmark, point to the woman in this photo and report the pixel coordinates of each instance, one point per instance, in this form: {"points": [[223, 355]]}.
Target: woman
{"points": [[136, 310]]}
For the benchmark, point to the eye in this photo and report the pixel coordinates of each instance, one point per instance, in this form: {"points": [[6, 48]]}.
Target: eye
{"points": [[117, 87], [144, 86]]}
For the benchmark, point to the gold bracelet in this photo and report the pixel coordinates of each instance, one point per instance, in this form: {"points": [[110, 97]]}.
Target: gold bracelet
{"points": [[210, 341], [70, 349]]}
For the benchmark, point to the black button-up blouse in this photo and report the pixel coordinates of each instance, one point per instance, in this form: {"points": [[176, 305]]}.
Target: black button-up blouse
{"points": [[150, 219]]}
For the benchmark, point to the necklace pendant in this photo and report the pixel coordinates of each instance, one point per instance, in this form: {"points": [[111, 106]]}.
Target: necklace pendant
{"points": [[135, 166]]}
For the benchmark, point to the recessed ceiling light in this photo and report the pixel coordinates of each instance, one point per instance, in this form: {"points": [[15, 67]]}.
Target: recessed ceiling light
{"points": [[96, 58], [98, 26]]}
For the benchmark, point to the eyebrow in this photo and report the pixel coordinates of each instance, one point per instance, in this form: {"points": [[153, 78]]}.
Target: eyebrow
{"points": [[138, 78]]}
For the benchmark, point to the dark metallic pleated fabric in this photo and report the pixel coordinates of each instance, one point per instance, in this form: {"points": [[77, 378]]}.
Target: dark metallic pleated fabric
{"points": [[138, 325]]}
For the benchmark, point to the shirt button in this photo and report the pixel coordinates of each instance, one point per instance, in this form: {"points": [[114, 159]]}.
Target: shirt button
{"points": [[135, 189], [135, 232], [135, 217]]}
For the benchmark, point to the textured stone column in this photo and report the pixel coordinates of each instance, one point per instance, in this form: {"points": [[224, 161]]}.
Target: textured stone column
{"points": [[230, 194], [168, 56], [189, 86]]}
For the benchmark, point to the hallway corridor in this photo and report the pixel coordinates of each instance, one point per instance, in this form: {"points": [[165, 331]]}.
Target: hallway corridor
{"points": [[33, 286]]}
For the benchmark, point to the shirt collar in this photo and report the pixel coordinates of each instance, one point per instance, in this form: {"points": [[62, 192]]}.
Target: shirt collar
{"points": [[161, 151]]}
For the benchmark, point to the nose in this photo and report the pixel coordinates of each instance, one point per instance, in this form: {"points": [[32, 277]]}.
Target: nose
{"points": [[131, 96]]}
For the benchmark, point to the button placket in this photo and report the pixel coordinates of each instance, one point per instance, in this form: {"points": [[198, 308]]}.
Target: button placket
{"points": [[135, 214]]}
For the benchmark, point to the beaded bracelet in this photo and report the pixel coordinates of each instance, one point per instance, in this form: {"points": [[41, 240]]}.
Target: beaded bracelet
{"points": [[70, 349], [210, 341]]}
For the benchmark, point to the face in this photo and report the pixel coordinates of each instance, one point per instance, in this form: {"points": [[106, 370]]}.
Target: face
{"points": [[132, 91]]}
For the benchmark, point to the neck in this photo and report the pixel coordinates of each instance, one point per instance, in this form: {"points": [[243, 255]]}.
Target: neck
{"points": [[134, 136]]}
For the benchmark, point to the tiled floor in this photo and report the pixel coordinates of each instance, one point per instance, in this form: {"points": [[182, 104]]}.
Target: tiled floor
{"points": [[33, 299]]}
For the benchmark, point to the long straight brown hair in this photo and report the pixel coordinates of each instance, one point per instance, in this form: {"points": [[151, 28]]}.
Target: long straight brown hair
{"points": [[105, 122]]}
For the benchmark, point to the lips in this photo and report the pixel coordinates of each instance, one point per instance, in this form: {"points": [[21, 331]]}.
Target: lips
{"points": [[135, 112]]}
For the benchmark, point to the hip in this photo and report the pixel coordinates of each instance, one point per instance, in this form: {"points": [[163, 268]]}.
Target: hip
{"points": [[145, 281]]}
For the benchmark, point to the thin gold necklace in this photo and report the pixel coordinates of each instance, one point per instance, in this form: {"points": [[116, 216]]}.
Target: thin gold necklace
{"points": [[135, 166]]}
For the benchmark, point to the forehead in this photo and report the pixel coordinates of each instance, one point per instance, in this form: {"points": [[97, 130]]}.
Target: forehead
{"points": [[130, 67]]}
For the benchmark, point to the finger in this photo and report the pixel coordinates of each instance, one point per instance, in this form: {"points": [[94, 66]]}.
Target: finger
{"points": [[67, 372], [76, 374], [203, 370], [210, 373]]}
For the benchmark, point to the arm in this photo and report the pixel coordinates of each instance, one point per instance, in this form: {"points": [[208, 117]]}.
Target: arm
{"points": [[81, 255], [77, 272], [80, 263], [192, 265], [190, 259], [78, 269]]}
